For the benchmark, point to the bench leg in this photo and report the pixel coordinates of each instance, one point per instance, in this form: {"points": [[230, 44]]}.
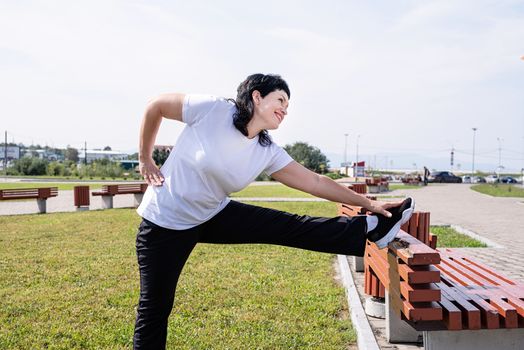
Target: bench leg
{"points": [[107, 202], [373, 189], [483, 339], [397, 330], [42, 205], [358, 262], [137, 199], [375, 307]]}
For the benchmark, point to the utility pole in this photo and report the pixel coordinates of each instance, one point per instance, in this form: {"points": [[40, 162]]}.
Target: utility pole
{"points": [[500, 151], [85, 152], [5, 154], [452, 155], [473, 162], [346, 154], [356, 167]]}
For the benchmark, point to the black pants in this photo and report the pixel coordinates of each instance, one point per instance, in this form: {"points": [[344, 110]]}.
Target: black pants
{"points": [[162, 253]]}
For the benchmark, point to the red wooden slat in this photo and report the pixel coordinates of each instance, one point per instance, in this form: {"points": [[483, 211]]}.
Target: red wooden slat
{"points": [[414, 252], [419, 274], [421, 226], [471, 314], [482, 276], [452, 315], [413, 225], [426, 230], [489, 314], [433, 239]]}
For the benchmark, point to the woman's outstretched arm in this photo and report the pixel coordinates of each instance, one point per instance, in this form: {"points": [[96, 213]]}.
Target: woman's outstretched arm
{"points": [[164, 106], [297, 176]]}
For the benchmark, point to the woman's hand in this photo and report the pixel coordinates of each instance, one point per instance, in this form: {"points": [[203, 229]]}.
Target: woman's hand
{"points": [[381, 207], [151, 173]]}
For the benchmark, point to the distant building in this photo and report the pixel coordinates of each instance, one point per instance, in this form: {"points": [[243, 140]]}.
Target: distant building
{"points": [[129, 164], [42, 154], [165, 148], [96, 154], [13, 152]]}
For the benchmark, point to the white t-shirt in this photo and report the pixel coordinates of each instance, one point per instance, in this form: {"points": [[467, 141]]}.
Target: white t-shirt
{"points": [[211, 160]]}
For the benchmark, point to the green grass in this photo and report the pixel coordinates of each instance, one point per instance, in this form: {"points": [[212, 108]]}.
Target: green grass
{"points": [[276, 190], [279, 190], [67, 186], [450, 238], [71, 178], [393, 187], [500, 190], [70, 281]]}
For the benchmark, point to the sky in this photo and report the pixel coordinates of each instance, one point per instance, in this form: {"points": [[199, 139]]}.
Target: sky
{"points": [[405, 80]]}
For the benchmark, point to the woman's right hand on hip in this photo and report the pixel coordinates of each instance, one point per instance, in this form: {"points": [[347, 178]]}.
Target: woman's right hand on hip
{"points": [[151, 173]]}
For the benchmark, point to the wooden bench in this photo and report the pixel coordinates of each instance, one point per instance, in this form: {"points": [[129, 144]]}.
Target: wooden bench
{"points": [[377, 185], [40, 194], [359, 188], [109, 191], [451, 300]]}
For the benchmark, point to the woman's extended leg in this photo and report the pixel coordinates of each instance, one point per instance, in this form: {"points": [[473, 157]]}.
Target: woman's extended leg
{"points": [[161, 254], [244, 223]]}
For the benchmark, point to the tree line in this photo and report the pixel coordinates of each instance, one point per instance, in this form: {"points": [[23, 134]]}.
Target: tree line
{"points": [[309, 156]]}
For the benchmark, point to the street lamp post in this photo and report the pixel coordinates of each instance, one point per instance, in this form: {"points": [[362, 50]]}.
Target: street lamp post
{"points": [[500, 150], [356, 167], [473, 162], [346, 150], [346, 154]]}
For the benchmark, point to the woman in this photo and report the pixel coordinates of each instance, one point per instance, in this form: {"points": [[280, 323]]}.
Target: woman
{"points": [[224, 147]]}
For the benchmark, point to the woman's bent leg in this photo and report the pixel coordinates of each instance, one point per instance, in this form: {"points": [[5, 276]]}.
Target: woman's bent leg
{"points": [[161, 254], [244, 223]]}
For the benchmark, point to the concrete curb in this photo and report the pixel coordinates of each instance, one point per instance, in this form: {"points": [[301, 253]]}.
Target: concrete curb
{"points": [[365, 336], [476, 236]]}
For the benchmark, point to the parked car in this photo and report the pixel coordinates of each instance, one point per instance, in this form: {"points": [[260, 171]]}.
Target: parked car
{"points": [[508, 180], [467, 179], [444, 176], [478, 180], [491, 179]]}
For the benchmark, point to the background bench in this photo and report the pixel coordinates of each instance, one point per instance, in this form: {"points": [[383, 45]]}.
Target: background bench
{"points": [[109, 191], [455, 301], [40, 194], [377, 185]]}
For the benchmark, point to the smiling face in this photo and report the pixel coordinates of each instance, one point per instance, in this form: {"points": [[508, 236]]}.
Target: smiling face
{"points": [[269, 111]]}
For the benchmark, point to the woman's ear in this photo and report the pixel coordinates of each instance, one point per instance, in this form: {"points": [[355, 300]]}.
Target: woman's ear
{"points": [[256, 96]]}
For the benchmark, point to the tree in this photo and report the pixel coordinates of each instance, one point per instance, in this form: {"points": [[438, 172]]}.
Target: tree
{"points": [[309, 156], [71, 154], [160, 156], [107, 148], [31, 166]]}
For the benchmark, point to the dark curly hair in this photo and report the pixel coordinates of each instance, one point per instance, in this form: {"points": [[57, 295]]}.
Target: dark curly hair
{"points": [[264, 84]]}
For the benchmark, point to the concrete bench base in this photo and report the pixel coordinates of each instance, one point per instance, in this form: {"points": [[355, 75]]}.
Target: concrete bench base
{"points": [[358, 263], [107, 202], [137, 199], [42, 205], [483, 339], [375, 307], [397, 330], [377, 189]]}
